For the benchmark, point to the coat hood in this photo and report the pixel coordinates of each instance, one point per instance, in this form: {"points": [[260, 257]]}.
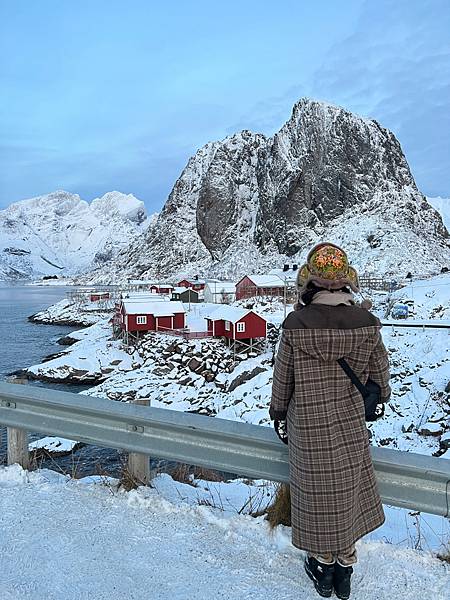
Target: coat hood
{"points": [[329, 345]]}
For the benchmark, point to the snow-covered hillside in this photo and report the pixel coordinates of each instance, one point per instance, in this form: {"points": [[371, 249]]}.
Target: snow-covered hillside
{"points": [[201, 375], [61, 234]]}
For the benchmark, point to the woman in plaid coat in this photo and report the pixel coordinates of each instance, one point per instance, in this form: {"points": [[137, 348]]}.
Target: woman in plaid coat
{"points": [[334, 496]]}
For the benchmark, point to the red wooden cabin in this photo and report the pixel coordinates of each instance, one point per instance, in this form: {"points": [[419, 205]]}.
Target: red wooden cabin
{"points": [[259, 285], [97, 296], [236, 323], [161, 288], [151, 316], [195, 284]]}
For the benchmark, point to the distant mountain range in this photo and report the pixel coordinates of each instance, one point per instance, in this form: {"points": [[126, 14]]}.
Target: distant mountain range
{"points": [[248, 203], [60, 234]]}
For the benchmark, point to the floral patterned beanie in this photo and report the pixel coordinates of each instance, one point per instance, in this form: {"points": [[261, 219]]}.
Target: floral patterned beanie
{"points": [[327, 266]]}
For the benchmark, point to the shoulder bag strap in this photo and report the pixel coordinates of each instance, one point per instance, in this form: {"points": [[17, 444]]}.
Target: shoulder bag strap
{"points": [[351, 374]]}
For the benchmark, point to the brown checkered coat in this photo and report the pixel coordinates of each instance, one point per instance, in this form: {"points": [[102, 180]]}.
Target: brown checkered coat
{"points": [[333, 490]]}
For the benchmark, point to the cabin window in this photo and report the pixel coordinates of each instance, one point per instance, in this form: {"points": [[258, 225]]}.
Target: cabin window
{"points": [[141, 320], [240, 327], [227, 325]]}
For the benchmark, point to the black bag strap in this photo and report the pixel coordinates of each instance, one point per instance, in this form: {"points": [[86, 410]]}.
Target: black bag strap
{"points": [[352, 375]]}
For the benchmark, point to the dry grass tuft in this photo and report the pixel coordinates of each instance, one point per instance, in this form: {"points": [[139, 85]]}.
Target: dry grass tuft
{"points": [[279, 512], [182, 474], [208, 474], [127, 480]]}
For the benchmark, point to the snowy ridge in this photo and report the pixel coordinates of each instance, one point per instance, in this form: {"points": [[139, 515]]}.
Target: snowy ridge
{"points": [[61, 234], [251, 203]]}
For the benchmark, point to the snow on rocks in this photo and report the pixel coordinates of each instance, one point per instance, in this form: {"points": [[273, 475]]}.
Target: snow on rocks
{"points": [[90, 360], [194, 376], [66, 312], [243, 204], [419, 409], [53, 445]]}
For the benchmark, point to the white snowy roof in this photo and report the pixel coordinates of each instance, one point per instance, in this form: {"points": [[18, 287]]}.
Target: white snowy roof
{"points": [[144, 297], [228, 313], [157, 309], [180, 290], [290, 275], [266, 280], [219, 287], [192, 280]]}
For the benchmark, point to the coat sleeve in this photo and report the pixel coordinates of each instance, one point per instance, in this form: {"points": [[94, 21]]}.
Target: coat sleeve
{"points": [[379, 368], [283, 380]]}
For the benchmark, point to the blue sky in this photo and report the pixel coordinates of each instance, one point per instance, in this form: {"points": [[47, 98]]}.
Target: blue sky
{"points": [[99, 95]]}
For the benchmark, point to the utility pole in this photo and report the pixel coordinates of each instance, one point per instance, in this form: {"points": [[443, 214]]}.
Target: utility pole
{"points": [[284, 280]]}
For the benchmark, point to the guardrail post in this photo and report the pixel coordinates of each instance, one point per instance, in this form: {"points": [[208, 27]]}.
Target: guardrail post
{"points": [[139, 464], [17, 440]]}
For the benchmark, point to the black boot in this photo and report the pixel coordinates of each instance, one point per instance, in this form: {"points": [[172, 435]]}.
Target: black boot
{"points": [[341, 581], [321, 575]]}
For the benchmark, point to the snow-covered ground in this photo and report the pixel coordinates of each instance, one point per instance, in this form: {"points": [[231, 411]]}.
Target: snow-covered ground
{"points": [[426, 298], [67, 312], [84, 539], [91, 359]]}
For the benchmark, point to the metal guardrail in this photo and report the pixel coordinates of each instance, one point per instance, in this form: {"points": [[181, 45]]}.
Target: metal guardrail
{"points": [[422, 323], [405, 479]]}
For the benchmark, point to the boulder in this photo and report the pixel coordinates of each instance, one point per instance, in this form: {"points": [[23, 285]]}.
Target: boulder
{"points": [[194, 364], [431, 429], [244, 377]]}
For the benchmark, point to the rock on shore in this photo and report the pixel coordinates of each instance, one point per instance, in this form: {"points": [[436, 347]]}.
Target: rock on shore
{"points": [[67, 313]]}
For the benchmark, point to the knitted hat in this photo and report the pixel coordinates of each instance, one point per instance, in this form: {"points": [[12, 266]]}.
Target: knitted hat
{"points": [[327, 266]]}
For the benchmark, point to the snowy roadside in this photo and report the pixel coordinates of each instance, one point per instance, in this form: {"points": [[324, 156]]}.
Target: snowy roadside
{"points": [[168, 542]]}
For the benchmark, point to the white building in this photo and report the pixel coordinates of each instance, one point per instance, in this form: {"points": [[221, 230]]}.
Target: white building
{"points": [[220, 292]]}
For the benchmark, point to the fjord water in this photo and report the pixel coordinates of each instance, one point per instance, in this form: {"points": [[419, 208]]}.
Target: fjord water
{"points": [[23, 344]]}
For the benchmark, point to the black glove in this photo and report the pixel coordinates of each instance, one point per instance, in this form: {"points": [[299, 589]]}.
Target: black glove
{"points": [[281, 430]]}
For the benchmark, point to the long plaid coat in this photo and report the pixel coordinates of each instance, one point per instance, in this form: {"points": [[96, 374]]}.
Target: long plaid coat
{"points": [[334, 495]]}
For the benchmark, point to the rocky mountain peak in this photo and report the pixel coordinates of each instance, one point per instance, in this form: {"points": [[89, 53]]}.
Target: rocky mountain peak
{"points": [[252, 202]]}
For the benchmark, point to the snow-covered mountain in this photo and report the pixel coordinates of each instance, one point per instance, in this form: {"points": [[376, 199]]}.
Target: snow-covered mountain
{"points": [[61, 234], [250, 202], [442, 205]]}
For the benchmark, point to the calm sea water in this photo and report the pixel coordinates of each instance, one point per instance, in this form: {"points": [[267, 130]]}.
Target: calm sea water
{"points": [[23, 344]]}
